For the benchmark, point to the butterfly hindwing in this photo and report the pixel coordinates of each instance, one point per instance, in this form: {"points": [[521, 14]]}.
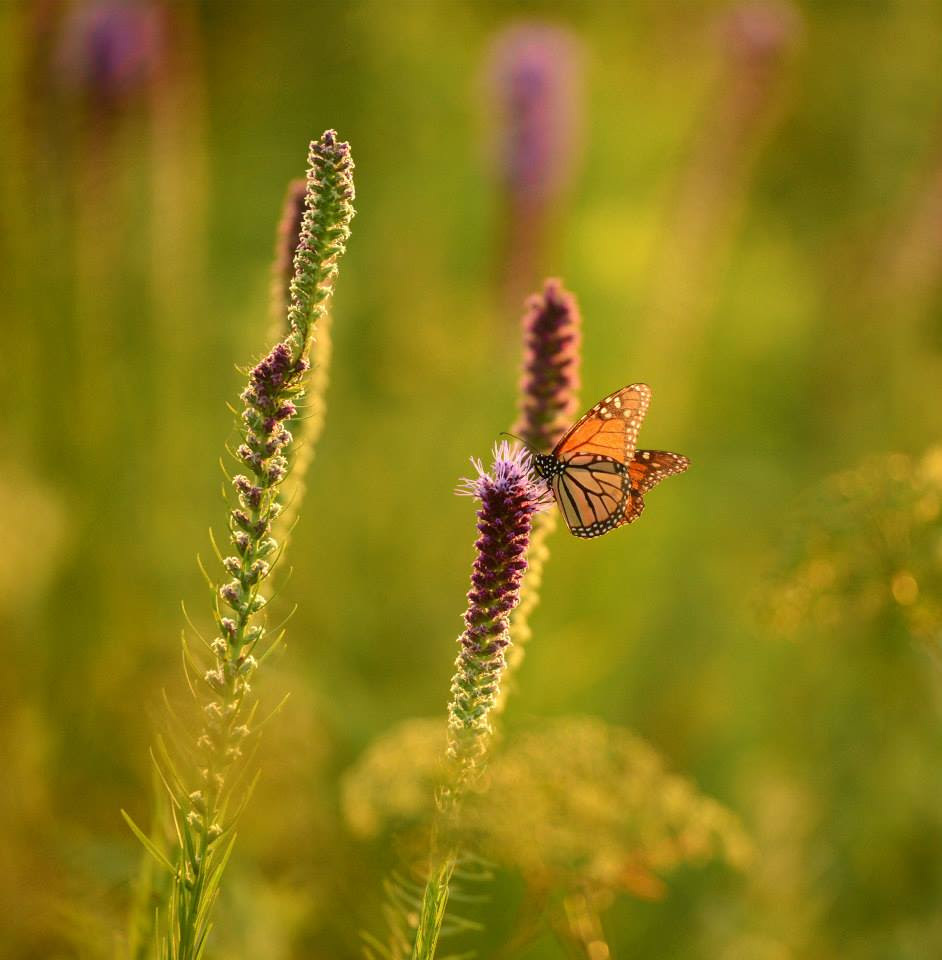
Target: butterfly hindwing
{"points": [[645, 471], [633, 509], [610, 428], [649, 467], [591, 492]]}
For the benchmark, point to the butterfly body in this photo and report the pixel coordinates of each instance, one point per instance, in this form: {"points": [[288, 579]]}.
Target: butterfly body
{"points": [[595, 472]]}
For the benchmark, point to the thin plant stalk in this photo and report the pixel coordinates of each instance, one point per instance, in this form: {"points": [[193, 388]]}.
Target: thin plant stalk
{"points": [[742, 111]]}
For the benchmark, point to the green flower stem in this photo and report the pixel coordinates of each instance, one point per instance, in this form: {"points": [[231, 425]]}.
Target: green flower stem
{"points": [[434, 903]]}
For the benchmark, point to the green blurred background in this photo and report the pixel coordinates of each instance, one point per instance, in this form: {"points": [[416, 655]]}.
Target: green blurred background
{"points": [[751, 219]]}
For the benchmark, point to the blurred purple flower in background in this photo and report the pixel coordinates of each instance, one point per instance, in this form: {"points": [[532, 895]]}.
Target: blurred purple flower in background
{"points": [[756, 36], [535, 73], [534, 96], [111, 51]]}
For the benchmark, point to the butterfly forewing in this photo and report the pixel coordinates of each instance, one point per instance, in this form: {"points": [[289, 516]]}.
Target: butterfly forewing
{"points": [[610, 428]]}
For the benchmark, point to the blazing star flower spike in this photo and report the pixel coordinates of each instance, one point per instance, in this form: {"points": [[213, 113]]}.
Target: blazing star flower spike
{"points": [[509, 497]]}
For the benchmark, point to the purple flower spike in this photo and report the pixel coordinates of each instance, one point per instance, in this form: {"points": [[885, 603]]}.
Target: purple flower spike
{"points": [[550, 383], [509, 498]]}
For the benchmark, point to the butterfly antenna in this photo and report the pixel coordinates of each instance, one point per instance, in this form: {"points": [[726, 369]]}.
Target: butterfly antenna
{"points": [[514, 436]]}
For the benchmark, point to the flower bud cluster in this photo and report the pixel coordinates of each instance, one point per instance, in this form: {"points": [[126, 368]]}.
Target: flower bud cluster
{"points": [[325, 228]]}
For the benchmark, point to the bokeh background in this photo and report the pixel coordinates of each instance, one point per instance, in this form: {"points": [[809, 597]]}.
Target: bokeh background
{"points": [[746, 200]]}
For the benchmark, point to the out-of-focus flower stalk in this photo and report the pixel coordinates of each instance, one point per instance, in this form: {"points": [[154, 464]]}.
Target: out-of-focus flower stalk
{"points": [[738, 117], [508, 498], [204, 817], [180, 186], [908, 267], [108, 59], [889, 306], [307, 427], [534, 88], [549, 391], [289, 232]]}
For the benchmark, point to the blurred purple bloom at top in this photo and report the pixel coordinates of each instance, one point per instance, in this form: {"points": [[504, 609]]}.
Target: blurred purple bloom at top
{"points": [[759, 31], [111, 50], [534, 79]]}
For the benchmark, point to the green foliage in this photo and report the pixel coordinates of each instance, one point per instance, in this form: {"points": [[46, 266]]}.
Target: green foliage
{"points": [[133, 277], [866, 550], [572, 803]]}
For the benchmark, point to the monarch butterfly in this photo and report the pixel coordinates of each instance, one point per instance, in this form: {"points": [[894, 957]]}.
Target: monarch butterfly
{"points": [[597, 476]]}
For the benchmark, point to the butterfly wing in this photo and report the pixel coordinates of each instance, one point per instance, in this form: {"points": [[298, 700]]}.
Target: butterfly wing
{"points": [[592, 493], [649, 467], [645, 471], [610, 428]]}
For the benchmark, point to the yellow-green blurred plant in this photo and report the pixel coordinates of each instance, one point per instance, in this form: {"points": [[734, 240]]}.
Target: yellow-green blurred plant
{"points": [[756, 41], [205, 774], [610, 819], [868, 549]]}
